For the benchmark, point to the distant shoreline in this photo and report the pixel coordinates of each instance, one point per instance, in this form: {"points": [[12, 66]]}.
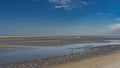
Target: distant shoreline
{"points": [[44, 41]]}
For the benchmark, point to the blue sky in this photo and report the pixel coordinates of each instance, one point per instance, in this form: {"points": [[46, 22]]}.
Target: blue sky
{"points": [[59, 17]]}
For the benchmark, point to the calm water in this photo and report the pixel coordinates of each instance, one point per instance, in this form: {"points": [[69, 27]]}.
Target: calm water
{"points": [[25, 53]]}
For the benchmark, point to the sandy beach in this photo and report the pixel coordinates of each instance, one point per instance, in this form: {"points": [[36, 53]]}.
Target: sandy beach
{"points": [[105, 61], [99, 55]]}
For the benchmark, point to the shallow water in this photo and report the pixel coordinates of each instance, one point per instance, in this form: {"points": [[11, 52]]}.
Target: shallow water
{"points": [[26, 53]]}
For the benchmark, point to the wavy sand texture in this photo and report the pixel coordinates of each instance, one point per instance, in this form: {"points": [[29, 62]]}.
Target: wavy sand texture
{"points": [[106, 61]]}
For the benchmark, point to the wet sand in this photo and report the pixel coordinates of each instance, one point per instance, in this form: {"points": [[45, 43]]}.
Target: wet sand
{"points": [[11, 36], [105, 61], [3, 47]]}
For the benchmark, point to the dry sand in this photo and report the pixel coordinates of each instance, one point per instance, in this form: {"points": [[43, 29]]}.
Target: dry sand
{"points": [[106, 61]]}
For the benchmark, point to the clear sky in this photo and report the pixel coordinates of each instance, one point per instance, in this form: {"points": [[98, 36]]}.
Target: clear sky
{"points": [[59, 17]]}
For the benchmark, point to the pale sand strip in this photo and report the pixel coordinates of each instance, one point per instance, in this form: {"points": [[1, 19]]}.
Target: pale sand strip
{"points": [[114, 64], [3, 47], [11, 36], [106, 61]]}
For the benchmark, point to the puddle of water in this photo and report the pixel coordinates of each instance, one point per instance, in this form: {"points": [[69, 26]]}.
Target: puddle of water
{"points": [[25, 53]]}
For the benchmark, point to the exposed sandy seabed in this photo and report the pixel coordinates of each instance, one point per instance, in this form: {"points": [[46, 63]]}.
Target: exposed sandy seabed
{"points": [[3, 47], [11, 36], [106, 61], [43, 41]]}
